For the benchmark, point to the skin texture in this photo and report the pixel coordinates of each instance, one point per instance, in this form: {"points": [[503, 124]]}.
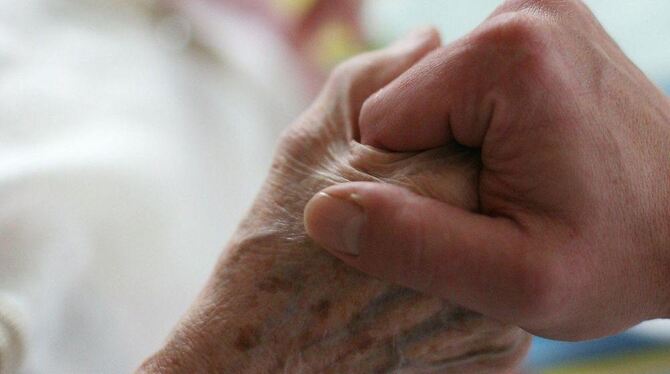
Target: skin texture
{"points": [[572, 237], [277, 302]]}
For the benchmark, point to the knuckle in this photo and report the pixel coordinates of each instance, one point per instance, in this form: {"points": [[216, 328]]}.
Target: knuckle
{"points": [[513, 29], [288, 141], [289, 135], [342, 70], [347, 78], [295, 139], [544, 5], [348, 71], [519, 41]]}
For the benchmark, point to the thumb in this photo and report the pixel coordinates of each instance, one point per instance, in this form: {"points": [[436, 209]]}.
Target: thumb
{"points": [[389, 232]]}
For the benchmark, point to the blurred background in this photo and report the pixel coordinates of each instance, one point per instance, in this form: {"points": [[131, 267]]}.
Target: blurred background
{"points": [[135, 134]]}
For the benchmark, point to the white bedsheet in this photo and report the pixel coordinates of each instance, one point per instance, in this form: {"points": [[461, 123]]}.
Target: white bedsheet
{"points": [[132, 139]]}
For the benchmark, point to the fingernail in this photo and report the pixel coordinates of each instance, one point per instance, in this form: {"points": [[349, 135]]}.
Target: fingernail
{"points": [[335, 222]]}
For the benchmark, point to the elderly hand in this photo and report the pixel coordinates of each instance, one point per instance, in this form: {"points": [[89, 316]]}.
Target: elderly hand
{"points": [[278, 303], [572, 240]]}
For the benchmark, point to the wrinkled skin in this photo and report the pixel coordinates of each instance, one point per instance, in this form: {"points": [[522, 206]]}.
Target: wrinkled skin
{"points": [[276, 302]]}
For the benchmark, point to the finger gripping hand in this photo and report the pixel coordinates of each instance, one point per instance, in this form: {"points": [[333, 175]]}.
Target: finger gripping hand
{"points": [[277, 302], [353, 322], [570, 236]]}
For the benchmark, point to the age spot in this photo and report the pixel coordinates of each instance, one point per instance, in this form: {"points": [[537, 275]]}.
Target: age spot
{"points": [[322, 309], [247, 338], [273, 284], [363, 342]]}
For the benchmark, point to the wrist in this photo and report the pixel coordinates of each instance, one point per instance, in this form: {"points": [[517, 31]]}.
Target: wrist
{"points": [[240, 316]]}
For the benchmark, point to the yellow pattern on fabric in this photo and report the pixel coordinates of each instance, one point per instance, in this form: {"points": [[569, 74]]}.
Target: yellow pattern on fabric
{"points": [[334, 42], [294, 8]]}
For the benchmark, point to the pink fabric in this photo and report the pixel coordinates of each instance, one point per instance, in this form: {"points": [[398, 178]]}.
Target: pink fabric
{"points": [[300, 32]]}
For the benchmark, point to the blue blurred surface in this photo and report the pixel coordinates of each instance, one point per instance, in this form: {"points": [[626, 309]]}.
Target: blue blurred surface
{"points": [[548, 353]]}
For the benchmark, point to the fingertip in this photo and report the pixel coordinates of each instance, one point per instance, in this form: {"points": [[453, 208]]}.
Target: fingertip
{"points": [[370, 120]]}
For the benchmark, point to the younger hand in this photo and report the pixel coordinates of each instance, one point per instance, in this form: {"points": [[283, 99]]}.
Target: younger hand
{"points": [[573, 236]]}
